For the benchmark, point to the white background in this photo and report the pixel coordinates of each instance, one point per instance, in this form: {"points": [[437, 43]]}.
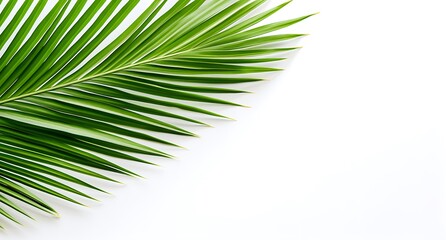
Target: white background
{"points": [[347, 143]]}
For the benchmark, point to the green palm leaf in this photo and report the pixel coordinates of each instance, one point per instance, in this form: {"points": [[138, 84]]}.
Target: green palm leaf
{"points": [[65, 101]]}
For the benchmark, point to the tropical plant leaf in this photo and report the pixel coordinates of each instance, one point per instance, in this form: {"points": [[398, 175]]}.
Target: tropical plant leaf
{"points": [[66, 101]]}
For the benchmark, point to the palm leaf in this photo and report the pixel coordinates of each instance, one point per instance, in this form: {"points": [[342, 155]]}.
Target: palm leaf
{"points": [[67, 102]]}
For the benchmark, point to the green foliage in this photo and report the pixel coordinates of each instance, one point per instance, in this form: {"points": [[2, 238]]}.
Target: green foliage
{"points": [[61, 111]]}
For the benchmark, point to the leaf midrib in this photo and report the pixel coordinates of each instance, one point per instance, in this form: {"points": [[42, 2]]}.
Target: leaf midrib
{"points": [[80, 80]]}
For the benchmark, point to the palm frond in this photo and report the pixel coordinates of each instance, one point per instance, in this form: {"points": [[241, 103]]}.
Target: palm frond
{"points": [[66, 101]]}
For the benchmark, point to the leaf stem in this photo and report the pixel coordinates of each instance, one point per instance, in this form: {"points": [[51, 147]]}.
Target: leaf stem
{"points": [[86, 78]]}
